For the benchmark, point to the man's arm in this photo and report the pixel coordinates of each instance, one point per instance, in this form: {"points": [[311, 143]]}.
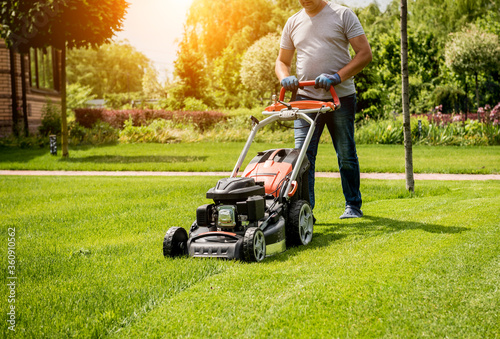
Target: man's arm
{"points": [[284, 63], [361, 59]]}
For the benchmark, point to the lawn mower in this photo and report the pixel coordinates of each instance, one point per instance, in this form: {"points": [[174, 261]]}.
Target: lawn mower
{"points": [[266, 209]]}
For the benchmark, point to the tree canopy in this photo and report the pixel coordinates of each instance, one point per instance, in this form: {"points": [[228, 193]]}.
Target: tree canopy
{"points": [[218, 36], [59, 23], [108, 69]]}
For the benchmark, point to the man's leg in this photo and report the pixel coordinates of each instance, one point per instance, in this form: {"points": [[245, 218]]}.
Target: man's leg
{"points": [[341, 126], [301, 129]]}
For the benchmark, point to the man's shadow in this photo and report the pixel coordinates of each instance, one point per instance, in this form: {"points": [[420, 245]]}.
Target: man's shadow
{"points": [[327, 233]]}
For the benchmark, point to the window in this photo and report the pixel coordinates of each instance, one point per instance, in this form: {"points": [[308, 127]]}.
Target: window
{"points": [[44, 70]]}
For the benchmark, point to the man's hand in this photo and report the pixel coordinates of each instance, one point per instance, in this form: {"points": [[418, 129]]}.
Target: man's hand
{"points": [[290, 83], [327, 80]]}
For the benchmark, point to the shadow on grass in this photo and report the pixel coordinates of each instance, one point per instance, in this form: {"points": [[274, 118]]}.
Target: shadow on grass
{"points": [[368, 226], [376, 225], [17, 154], [119, 159]]}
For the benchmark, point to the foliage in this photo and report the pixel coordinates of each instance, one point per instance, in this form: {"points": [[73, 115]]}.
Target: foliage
{"points": [[157, 131], [436, 129], [192, 104], [215, 24], [216, 35], [256, 63], [121, 100], [216, 50], [87, 117], [24, 142], [59, 23], [100, 133], [78, 95], [202, 120], [109, 69], [151, 86], [473, 51], [51, 119], [450, 98], [189, 68]]}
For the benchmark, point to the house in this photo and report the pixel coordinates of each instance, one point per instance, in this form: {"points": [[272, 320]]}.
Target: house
{"points": [[27, 82]]}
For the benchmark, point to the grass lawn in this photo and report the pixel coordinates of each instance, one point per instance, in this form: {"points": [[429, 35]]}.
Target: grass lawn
{"points": [[89, 264], [222, 157]]}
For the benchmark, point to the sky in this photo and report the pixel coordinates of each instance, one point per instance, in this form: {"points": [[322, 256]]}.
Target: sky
{"points": [[154, 27]]}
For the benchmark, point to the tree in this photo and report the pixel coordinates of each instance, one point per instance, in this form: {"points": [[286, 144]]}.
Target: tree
{"points": [[112, 68], [216, 35], [189, 67], [410, 183], [258, 63], [62, 24], [472, 51]]}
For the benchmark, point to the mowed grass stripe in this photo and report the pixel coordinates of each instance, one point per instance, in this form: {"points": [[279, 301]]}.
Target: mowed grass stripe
{"points": [[211, 156], [89, 251], [360, 278], [90, 263]]}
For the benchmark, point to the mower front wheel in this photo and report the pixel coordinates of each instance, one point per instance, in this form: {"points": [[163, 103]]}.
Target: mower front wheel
{"points": [[300, 228], [175, 242], [254, 245]]}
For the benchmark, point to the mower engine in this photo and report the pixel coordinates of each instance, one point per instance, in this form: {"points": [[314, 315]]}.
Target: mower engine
{"points": [[238, 204]]}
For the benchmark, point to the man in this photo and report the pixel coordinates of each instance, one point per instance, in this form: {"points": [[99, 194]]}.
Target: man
{"points": [[321, 33]]}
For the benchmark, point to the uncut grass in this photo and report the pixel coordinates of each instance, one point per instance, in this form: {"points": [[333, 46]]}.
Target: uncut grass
{"points": [[206, 156], [90, 263]]}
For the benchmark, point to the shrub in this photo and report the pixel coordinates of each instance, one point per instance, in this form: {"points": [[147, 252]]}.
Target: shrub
{"points": [[88, 117], [202, 120], [100, 133], [451, 99], [468, 133], [78, 95], [117, 118], [170, 104], [158, 131], [118, 100], [51, 119], [192, 104]]}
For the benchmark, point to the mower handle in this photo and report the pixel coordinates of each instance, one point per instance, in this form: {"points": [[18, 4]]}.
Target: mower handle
{"points": [[312, 83]]}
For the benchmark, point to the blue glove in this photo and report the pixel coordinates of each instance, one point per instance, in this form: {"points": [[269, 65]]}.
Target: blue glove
{"points": [[327, 80], [290, 83]]}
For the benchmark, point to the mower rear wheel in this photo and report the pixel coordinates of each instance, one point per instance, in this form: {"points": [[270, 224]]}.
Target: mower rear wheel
{"points": [[300, 228], [254, 245], [175, 242]]}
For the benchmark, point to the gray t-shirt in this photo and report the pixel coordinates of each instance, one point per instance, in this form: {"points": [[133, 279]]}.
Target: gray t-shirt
{"points": [[322, 44]]}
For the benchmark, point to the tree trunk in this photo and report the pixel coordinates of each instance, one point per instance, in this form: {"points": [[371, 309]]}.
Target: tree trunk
{"points": [[466, 99], [477, 94], [410, 182], [64, 119]]}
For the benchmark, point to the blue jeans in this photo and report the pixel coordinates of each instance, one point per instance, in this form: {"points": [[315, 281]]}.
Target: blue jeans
{"points": [[340, 124]]}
